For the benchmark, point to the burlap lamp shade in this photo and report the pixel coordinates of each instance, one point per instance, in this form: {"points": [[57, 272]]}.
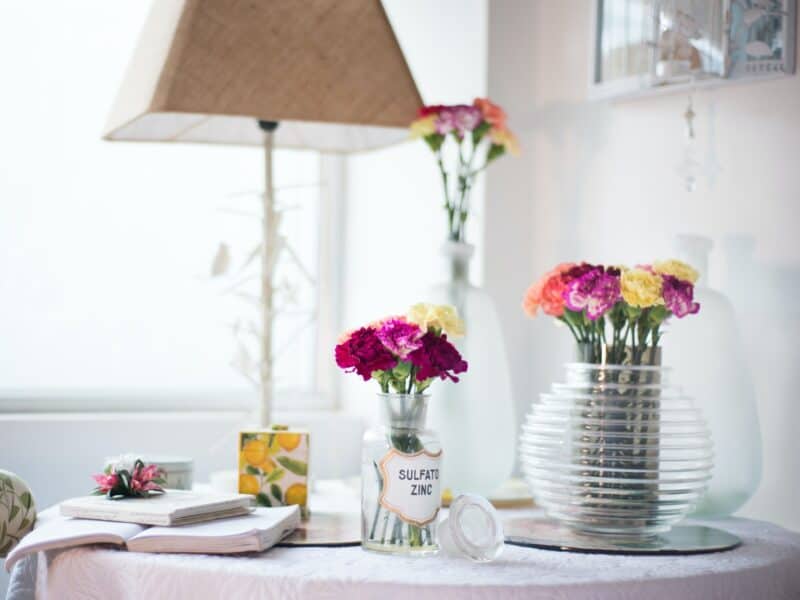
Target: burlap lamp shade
{"points": [[327, 75]]}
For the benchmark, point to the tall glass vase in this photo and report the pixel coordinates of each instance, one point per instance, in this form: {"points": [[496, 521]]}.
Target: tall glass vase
{"points": [[474, 418], [709, 358]]}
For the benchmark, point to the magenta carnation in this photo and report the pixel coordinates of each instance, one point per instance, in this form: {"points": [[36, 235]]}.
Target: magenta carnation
{"points": [[460, 118], [679, 296], [437, 358], [399, 336], [595, 291], [362, 352]]}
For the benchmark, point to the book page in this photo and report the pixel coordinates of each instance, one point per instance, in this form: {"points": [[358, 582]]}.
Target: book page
{"points": [[63, 532], [255, 531]]}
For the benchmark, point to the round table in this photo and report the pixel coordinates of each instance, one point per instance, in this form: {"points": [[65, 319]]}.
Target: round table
{"points": [[765, 566]]}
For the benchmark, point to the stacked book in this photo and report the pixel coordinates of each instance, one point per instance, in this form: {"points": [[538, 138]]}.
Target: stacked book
{"points": [[177, 521]]}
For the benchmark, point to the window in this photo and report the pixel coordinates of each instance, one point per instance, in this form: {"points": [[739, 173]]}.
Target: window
{"points": [[105, 287]]}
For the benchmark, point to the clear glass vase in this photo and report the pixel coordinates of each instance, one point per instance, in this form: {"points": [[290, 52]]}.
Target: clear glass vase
{"points": [[708, 356], [475, 417], [400, 479], [617, 450]]}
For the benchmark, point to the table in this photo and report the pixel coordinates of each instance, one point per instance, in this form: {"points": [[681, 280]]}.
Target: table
{"points": [[766, 566]]}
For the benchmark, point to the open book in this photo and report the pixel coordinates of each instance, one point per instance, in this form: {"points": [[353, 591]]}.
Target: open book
{"points": [[176, 507], [254, 532]]}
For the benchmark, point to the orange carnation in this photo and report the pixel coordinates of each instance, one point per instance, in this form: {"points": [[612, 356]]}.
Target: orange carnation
{"points": [[492, 114], [547, 293]]}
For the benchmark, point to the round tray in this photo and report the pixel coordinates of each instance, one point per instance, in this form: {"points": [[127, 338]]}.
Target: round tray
{"points": [[681, 539]]}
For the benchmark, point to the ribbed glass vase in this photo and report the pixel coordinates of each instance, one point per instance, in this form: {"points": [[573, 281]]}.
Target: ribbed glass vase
{"points": [[616, 450]]}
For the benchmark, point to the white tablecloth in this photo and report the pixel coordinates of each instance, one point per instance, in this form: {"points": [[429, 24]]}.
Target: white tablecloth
{"points": [[766, 566]]}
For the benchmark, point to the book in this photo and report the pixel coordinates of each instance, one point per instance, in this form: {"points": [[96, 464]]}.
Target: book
{"points": [[254, 532], [176, 507]]}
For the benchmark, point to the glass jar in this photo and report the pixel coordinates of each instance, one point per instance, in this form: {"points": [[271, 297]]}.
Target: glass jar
{"points": [[400, 479], [617, 450]]}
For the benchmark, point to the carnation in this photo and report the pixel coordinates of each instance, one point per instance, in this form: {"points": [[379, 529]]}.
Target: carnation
{"points": [[547, 293], [363, 353], [437, 358], [399, 336], [442, 317], [679, 296], [641, 288], [677, 269]]}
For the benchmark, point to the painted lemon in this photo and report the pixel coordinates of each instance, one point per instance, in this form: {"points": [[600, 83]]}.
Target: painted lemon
{"points": [[289, 441], [255, 451], [248, 484], [296, 494], [268, 465]]}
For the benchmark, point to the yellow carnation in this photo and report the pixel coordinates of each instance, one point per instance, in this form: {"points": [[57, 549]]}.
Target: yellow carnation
{"points": [[677, 269], [423, 127], [438, 316], [641, 288]]}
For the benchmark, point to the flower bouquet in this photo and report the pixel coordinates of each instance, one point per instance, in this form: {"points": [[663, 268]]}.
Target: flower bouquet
{"points": [[401, 459], [478, 135], [617, 449], [615, 313]]}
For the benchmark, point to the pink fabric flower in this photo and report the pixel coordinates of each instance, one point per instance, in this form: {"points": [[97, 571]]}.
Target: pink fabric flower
{"points": [[547, 293], [679, 296], [437, 358], [364, 353], [105, 482], [399, 336]]}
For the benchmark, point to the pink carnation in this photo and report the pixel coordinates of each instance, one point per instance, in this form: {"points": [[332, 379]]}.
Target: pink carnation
{"points": [[399, 336]]}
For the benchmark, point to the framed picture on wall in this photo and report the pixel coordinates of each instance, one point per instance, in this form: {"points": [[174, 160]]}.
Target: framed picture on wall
{"points": [[761, 38], [645, 45]]}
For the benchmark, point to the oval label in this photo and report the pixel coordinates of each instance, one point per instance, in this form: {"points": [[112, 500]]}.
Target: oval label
{"points": [[411, 485]]}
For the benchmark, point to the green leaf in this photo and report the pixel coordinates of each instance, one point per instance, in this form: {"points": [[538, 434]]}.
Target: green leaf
{"points": [[22, 526], [26, 499], [479, 132], [247, 437], [253, 470], [275, 475], [13, 512], [434, 141], [276, 491], [263, 500], [495, 151], [298, 467]]}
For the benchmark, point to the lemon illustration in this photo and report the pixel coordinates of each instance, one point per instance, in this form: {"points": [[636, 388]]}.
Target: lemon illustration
{"points": [[296, 494], [268, 465], [289, 441], [248, 484], [255, 452], [274, 445]]}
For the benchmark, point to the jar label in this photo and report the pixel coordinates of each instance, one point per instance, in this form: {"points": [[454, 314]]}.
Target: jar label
{"points": [[411, 485]]}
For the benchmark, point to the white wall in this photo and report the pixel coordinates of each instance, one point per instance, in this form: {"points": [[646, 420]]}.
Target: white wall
{"points": [[598, 181]]}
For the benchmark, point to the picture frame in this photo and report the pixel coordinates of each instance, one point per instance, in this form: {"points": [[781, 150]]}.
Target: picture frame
{"points": [[654, 46]]}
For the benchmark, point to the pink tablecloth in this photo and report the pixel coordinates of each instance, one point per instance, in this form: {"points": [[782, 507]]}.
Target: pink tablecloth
{"points": [[766, 566]]}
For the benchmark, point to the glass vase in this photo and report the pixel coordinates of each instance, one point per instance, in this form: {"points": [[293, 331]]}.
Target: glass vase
{"points": [[400, 479], [475, 417], [709, 357], [617, 450]]}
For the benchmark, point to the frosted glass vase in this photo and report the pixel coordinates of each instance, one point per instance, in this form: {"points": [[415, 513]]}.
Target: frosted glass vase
{"points": [[708, 358], [474, 418]]}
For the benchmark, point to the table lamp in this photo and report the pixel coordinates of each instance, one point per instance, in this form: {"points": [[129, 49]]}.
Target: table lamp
{"points": [[318, 74]]}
